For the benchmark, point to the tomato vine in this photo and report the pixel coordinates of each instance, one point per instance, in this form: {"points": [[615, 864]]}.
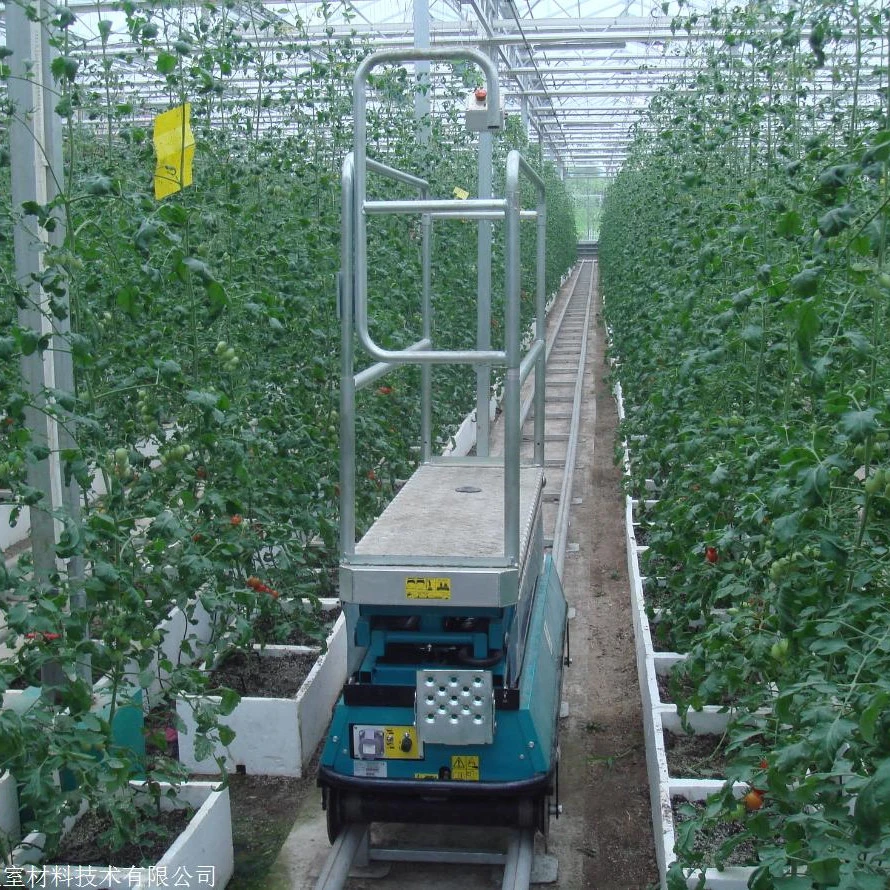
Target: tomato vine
{"points": [[744, 267], [205, 344]]}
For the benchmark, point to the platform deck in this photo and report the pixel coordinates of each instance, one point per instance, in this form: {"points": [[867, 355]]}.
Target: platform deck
{"points": [[431, 517]]}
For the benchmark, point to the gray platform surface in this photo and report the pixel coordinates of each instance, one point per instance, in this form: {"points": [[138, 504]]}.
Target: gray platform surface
{"points": [[430, 518]]}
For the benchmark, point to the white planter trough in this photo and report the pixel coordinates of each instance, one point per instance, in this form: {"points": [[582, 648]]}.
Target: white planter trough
{"points": [[10, 826], [659, 717], [201, 856], [732, 877], [13, 534], [276, 736]]}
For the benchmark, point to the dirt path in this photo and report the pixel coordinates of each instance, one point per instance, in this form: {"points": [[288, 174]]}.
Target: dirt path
{"points": [[603, 840], [602, 745]]}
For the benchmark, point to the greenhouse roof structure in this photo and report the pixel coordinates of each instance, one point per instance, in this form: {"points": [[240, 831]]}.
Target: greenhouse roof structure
{"points": [[578, 72]]}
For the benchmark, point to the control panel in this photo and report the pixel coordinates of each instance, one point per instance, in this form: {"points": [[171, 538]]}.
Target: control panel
{"points": [[476, 117], [370, 742]]}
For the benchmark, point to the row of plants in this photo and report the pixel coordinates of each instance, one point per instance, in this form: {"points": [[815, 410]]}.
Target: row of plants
{"points": [[205, 341], [754, 363]]}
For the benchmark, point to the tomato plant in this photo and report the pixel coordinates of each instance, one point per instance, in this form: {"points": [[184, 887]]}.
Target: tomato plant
{"points": [[205, 344], [755, 368]]}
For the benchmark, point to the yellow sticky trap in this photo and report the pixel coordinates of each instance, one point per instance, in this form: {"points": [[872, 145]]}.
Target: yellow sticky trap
{"points": [[175, 150], [460, 194]]}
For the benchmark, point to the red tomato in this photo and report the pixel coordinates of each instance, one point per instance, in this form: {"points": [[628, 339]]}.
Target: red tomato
{"points": [[753, 800]]}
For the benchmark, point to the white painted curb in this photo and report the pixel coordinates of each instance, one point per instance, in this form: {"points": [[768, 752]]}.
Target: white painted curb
{"points": [[10, 826], [202, 855], [276, 736], [660, 717]]}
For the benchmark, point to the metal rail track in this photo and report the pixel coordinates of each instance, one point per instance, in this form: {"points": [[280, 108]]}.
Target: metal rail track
{"points": [[566, 361]]}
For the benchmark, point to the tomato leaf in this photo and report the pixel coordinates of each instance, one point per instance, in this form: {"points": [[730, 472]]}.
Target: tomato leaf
{"points": [[859, 425]]}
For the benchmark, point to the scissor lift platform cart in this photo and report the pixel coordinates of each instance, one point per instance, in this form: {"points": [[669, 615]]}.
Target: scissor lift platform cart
{"points": [[456, 619]]}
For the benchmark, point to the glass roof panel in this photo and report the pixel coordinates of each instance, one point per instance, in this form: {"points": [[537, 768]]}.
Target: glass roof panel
{"points": [[577, 71]]}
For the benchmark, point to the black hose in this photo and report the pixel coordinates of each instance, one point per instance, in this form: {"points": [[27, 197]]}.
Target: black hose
{"points": [[464, 657]]}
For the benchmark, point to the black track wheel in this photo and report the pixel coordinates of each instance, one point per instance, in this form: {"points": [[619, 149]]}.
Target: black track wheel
{"points": [[333, 806]]}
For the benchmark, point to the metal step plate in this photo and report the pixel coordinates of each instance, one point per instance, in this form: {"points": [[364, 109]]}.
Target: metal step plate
{"points": [[455, 707]]}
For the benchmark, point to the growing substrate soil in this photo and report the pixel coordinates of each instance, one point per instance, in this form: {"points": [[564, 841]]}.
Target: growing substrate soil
{"points": [[83, 844], [709, 839], [695, 756], [253, 674]]}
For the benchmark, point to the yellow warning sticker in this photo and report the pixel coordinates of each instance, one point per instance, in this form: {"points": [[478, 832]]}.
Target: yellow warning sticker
{"points": [[465, 768], [428, 588], [460, 194], [400, 743]]}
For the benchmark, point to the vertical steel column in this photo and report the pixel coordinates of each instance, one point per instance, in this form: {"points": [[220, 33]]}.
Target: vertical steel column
{"points": [[540, 327], [511, 389], [347, 381], [422, 126], [422, 119], [422, 71], [483, 296], [37, 175], [426, 371]]}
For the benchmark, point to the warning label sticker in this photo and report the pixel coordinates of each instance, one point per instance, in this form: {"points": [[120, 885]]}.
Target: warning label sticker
{"points": [[465, 768], [428, 588]]}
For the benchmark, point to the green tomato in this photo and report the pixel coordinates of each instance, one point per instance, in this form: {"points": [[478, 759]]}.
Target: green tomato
{"points": [[778, 569], [221, 347]]}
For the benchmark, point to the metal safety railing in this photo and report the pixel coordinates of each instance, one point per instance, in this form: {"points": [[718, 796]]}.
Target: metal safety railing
{"points": [[353, 300]]}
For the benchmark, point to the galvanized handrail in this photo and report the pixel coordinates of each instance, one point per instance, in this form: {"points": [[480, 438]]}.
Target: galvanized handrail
{"points": [[516, 165], [362, 207], [350, 381], [354, 299]]}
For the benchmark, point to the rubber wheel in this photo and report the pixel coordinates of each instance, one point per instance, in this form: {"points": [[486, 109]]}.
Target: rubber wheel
{"points": [[334, 813]]}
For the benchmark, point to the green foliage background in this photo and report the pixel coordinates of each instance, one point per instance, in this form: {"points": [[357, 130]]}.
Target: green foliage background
{"points": [[206, 349], [744, 267]]}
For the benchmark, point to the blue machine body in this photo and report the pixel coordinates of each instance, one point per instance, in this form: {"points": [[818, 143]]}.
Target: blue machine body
{"points": [[519, 761], [456, 619]]}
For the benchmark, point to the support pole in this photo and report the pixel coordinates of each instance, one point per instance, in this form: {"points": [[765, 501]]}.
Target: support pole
{"points": [[422, 71], [483, 291], [37, 174]]}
